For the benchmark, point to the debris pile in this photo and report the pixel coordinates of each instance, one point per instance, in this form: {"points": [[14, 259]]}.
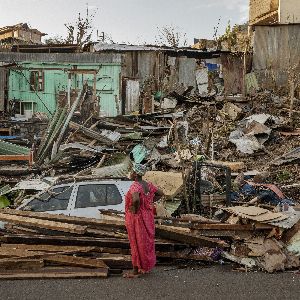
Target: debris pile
{"points": [[41, 245]]}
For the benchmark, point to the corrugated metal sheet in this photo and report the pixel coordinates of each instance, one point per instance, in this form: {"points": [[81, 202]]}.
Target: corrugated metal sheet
{"points": [[9, 57], [123, 47], [56, 81], [276, 51], [186, 71]]}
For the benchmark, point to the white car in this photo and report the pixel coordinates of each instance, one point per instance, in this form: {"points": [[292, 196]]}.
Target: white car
{"points": [[82, 199]]}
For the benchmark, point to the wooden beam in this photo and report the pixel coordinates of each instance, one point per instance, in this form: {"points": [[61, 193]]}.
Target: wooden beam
{"points": [[180, 255], [23, 263], [49, 248], [188, 237], [66, 219], [57, 226], [75, 261], [240, 227], [56, 273], [102, 243], [17, 157]]}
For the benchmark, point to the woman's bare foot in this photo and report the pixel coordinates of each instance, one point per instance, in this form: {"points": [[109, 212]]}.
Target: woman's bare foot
{"points": [[131, 275]]}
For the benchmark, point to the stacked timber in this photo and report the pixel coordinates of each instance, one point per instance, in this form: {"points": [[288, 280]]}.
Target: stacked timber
{"points": [[41, 245]]}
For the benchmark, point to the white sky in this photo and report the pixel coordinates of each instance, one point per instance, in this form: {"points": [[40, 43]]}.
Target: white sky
{"points": [[130, 21]]}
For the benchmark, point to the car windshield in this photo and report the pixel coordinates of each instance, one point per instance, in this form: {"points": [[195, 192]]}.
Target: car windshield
{"points": [[54, 199]]}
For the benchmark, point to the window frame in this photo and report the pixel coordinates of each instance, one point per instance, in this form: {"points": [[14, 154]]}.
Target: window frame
{"points": [[39, 81], [96, 183]]}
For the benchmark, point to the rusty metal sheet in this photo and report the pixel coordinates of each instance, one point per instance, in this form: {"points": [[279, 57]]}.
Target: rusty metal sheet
{"points": [[276, 51]]}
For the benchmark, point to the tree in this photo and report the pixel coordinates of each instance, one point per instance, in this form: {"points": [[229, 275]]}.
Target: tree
{"points": [[54, 40], [170, 36], [81, 32]]}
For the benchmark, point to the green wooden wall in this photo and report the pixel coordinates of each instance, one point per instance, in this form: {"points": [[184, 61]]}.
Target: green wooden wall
{"points": [[56, 79]]}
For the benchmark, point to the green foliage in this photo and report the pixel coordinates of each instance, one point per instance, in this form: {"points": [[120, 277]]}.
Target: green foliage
{"points": [[4, 202], [283, 176]]}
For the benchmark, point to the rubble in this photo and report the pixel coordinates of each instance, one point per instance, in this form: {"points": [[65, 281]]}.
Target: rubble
{"points": [[222, 146]]}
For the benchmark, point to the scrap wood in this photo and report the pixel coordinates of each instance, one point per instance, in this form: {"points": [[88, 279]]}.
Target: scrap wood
{"points": [[66, 219], [255, 213], [21, 263], [235, 166], [188, 237], [55, 273], [49, 248], [170, 183], [233, 227], [8, 253], [106, 233], [57, 226], [197, 218], [181, 255], [64, 240], [75, 261], [286, 133], [93, 134], [116, 261]]}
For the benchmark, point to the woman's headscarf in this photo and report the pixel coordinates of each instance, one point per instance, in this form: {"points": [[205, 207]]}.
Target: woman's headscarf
{"points": [[139, 169]]}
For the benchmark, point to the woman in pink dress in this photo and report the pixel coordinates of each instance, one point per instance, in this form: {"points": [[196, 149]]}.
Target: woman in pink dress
{"points": [[139, 220]]}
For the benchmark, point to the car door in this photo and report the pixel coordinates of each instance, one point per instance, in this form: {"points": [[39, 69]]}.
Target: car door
{"points": [[92, 196], [54, 201]]}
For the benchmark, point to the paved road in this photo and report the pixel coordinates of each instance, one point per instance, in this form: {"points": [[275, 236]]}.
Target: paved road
{"points": [[218, 282]]}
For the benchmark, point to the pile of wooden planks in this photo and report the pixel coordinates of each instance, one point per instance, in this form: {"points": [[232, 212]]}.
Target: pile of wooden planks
{"points": [[42, 245]]}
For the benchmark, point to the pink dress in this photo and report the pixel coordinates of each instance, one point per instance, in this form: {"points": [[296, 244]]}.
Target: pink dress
{"points": [[141, 227]]}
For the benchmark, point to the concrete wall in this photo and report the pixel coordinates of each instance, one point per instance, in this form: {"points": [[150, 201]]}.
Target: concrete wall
{"points": [[289, 11]]}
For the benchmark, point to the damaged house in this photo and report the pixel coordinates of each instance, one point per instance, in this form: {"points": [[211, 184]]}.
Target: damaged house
{"points": [[125, 79], [20, 34]]}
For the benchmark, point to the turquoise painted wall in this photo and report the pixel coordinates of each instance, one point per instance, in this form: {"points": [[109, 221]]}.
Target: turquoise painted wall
{"points": [[56, 79]]}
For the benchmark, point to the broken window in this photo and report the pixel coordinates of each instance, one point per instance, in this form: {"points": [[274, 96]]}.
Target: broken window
{"points": [[36, 81], [92, 195], [56, 199]]}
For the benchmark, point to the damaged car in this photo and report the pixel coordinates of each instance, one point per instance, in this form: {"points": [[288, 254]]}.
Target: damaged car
{"points": [[81, 199]]}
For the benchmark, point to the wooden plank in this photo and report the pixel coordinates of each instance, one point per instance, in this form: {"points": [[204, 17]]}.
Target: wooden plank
{"points": [[117, 261], [7, 253], [56, 273], [75, 261], [23, 263], [188, 237], [233, 227], [80, 241], [106, 233], [57, 226], [49, 248], [64, 240], [179, 255], [66, 219]]}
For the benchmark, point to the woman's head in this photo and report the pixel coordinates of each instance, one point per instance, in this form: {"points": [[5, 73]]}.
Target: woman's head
{"points": [[138, 170]]}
